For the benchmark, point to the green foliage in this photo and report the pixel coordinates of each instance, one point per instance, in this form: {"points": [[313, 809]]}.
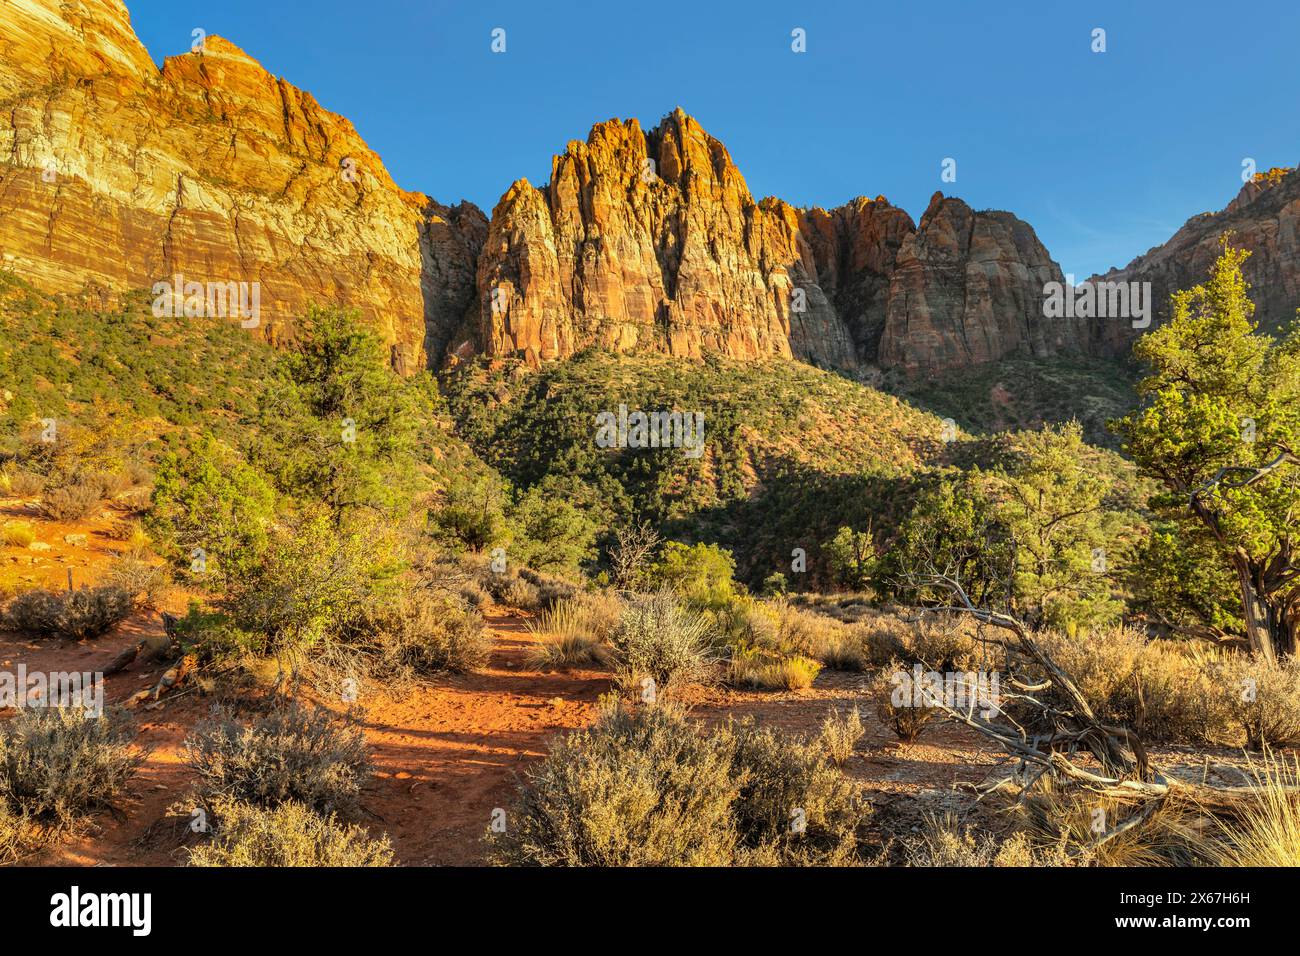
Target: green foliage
{"points": [[1220, 405], [1179, 578], [1050, 499], [212, 507], [701, 573], [1037, 532], [852, 558], [554, 534], [310, 580], [335, 424]]}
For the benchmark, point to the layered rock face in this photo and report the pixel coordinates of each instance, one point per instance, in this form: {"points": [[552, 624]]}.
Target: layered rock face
{"points": [[122, 175], [1265, 219], [651, 241], [968, 288]]}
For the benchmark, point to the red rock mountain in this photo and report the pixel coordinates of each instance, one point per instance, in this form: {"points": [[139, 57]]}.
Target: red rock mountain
{"points": [[119, 175], [1264, 218], [651, 241]]}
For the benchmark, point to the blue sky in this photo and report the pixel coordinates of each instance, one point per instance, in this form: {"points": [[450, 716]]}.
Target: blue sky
{"points": [[1105, 154]]}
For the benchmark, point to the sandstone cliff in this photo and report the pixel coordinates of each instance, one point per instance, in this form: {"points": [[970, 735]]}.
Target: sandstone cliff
{"points": [[652, 242], [1264, 218], [122, 175]]}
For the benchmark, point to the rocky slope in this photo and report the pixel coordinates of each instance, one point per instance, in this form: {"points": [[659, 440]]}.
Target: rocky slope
{"points": [[1264, 218], [121, 175]]}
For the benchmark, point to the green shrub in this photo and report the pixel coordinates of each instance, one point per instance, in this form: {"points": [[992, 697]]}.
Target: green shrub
{"points": [[701, 573], [293, 753], [286, 835], [76, 615], [57, 765]]}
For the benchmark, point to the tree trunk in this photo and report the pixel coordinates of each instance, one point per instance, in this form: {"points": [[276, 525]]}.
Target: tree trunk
{"points": [[1270, 632]]}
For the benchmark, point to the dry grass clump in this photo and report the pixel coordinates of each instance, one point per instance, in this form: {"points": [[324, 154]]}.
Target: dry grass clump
{"points": [[19, 836], [944, 841], [659, 638], [16, 534], [769, 670], [1258, 700], [841, 733], [76, 615], [57, 765], [574, 630], [148, 583], [71, 502], [645, 788], [20, 482], [1267, 831], [295, 752], [940, 641], [896, 705], [287, 835]]}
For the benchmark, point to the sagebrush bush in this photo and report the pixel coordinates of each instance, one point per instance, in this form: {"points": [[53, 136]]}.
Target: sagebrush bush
{"points": [[77, 615], [58, 765], [71, 502], [422, 634], [1158, 688], [1258, 699], [841, 733], [18, 834], [943, 642], [794, 806], [295, 752], [647, 787], [148, 584], [290, 834], [660, 638]]}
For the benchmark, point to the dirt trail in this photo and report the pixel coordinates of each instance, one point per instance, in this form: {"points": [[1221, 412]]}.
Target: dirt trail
{"points": [[447, 755]]}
